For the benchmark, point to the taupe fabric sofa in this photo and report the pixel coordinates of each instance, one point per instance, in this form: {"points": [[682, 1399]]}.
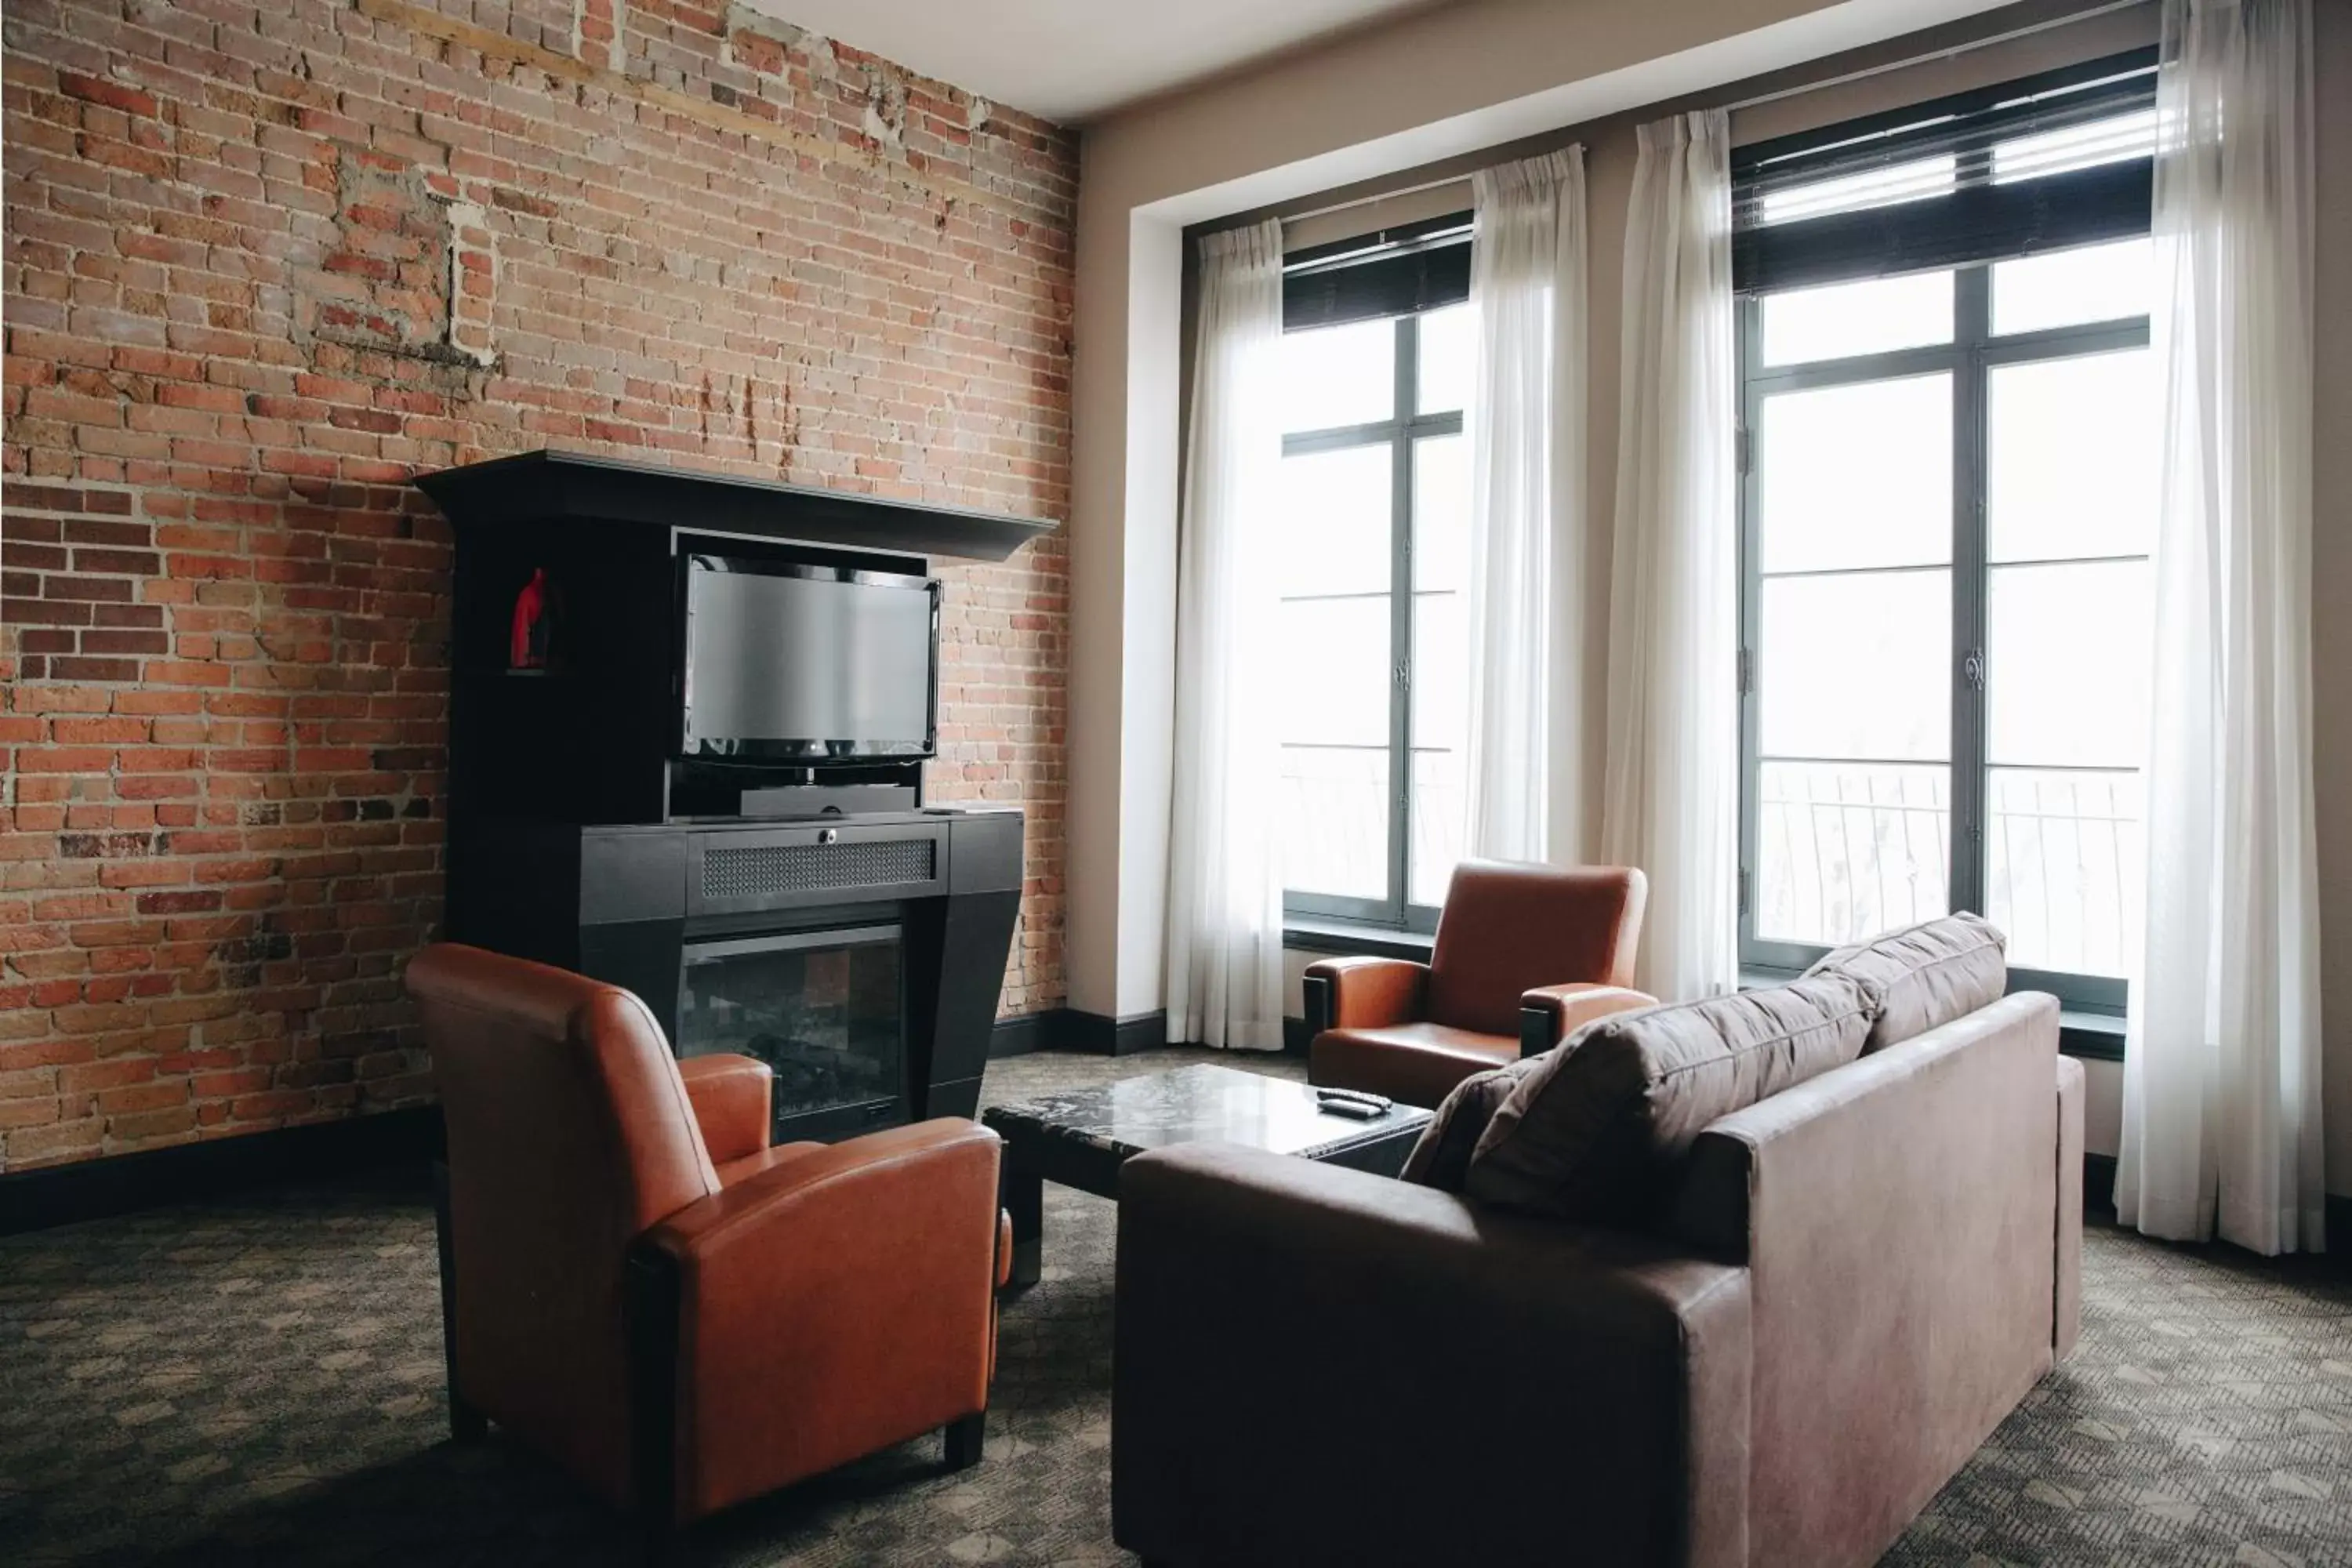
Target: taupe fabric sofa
{"points": [[1855, 1279]]}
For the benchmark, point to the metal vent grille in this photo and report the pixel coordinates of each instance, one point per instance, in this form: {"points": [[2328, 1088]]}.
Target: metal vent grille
{"points": [[809, 868]]}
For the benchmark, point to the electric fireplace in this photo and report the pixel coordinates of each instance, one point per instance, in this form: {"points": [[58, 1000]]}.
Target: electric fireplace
{"points": [[825, 1009]]}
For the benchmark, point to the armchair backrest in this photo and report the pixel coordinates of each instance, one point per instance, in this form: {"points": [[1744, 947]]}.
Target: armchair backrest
{"points": [[1508, 929], [569, 1136]]}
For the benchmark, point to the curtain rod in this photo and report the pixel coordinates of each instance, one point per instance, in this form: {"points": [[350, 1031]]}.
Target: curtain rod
{"points": [[1864, 74], [1867, 72], [1383, 196]]}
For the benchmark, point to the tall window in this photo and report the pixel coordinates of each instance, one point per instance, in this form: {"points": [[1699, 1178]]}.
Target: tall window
{"points": [[1375, 558], [1949, 481]]}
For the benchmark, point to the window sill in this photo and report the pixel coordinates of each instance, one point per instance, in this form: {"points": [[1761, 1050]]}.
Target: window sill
{"points": [[2091, 1037], [1303, 934]]}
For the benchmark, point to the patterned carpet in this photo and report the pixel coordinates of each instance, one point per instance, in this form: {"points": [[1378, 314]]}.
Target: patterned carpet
{"points": [[259, 1380]]}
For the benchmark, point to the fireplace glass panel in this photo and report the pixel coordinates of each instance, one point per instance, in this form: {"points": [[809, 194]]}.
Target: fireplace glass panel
{"points": [[824, 1010]]}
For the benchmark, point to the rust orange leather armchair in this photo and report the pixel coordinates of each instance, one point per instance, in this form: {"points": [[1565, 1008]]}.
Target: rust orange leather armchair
{"points": [[1524, 955], [634, 1282]]}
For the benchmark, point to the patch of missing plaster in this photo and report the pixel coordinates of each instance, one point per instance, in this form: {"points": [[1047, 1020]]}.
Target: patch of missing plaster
{"points": [[815, 47], [410, 270], [742, 18], [719, 405], [614, 20], [772, 419], [473, 283], [787, 421], [886, 106]]}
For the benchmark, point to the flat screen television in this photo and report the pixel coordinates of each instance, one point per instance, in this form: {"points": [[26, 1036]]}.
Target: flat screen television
{"points": [[793, 663]]}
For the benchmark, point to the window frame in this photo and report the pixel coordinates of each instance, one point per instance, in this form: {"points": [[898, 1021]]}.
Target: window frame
{"points": [[1400, 433], [1969, 358]]}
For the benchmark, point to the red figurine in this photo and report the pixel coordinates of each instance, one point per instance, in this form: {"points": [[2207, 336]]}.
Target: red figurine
{"points": [[527, 647]]}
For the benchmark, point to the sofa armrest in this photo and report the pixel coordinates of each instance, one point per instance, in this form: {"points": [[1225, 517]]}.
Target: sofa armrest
{"points": [[832, 1305], [1363, 992], [731, 1099], [1899, 1219], [1550, 1014], [1290, 1335]]}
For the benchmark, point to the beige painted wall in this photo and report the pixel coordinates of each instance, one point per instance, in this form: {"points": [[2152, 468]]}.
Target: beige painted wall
{"points": [[1108, 544]]}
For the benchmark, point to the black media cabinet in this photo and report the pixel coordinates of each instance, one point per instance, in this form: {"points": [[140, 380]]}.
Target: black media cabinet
{"points": [[862, 951]]}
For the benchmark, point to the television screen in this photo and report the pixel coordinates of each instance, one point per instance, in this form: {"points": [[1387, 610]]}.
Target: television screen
{"points": [[787, 662]]}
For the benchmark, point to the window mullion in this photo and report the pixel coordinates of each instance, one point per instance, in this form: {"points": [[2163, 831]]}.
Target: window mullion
{"points": [[1970, 785], [1408, 347]]}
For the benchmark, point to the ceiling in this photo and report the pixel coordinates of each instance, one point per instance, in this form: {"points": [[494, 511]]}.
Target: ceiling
{"points": [[1073, 60]]}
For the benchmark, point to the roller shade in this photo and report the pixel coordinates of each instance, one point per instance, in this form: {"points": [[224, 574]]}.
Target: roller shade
{"points": [[1398, 272], [2054, 161]]}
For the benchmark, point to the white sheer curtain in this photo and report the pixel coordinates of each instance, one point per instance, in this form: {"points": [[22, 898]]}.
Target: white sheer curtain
{"points": [[1225, 872], [1526, 527], [1668, 805], [2222, 1106]]}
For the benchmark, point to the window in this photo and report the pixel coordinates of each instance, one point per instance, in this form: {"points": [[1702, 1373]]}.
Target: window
{"points": [[1375, 561], [1948, 496]]}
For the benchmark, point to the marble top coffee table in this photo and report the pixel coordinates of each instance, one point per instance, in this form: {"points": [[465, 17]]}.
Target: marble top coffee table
{"points": [[1081, 1139]]}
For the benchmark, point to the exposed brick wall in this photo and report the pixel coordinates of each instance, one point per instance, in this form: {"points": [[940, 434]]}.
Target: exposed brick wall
{"points": [[266, 261]]}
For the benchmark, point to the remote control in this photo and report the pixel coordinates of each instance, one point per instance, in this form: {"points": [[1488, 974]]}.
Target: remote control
{"points": [[1378, 1101], [1355, 1110]]}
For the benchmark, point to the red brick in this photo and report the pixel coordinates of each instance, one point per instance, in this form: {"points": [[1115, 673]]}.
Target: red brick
{"points": [[89, 1077], [94, 668], [113, 94], [179, 903], [116, 1103], [75, 1140]]}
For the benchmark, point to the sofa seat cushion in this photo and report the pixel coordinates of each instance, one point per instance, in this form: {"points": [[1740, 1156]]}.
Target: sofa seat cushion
{"points": [[1418, 1064], [1595, 1130], [1926, 974]]}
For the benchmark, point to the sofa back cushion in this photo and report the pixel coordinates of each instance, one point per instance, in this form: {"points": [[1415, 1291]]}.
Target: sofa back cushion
{"points": [[1594, 1129], [1926, 975], [1441, 1157]]}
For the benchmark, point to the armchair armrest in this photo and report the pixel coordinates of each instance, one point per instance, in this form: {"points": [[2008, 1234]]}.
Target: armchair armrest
{"points": [[1286, 1332], [830, 1306], [1550, 1014], [1363, 992], [731, 1097]]}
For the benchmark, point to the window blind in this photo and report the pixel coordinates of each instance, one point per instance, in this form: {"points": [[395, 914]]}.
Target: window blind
{"points": [[1399, 271], [2054, 161]]}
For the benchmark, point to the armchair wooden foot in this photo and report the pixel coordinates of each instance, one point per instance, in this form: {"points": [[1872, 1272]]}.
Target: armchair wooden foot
{"points": [[964, 1440]]}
